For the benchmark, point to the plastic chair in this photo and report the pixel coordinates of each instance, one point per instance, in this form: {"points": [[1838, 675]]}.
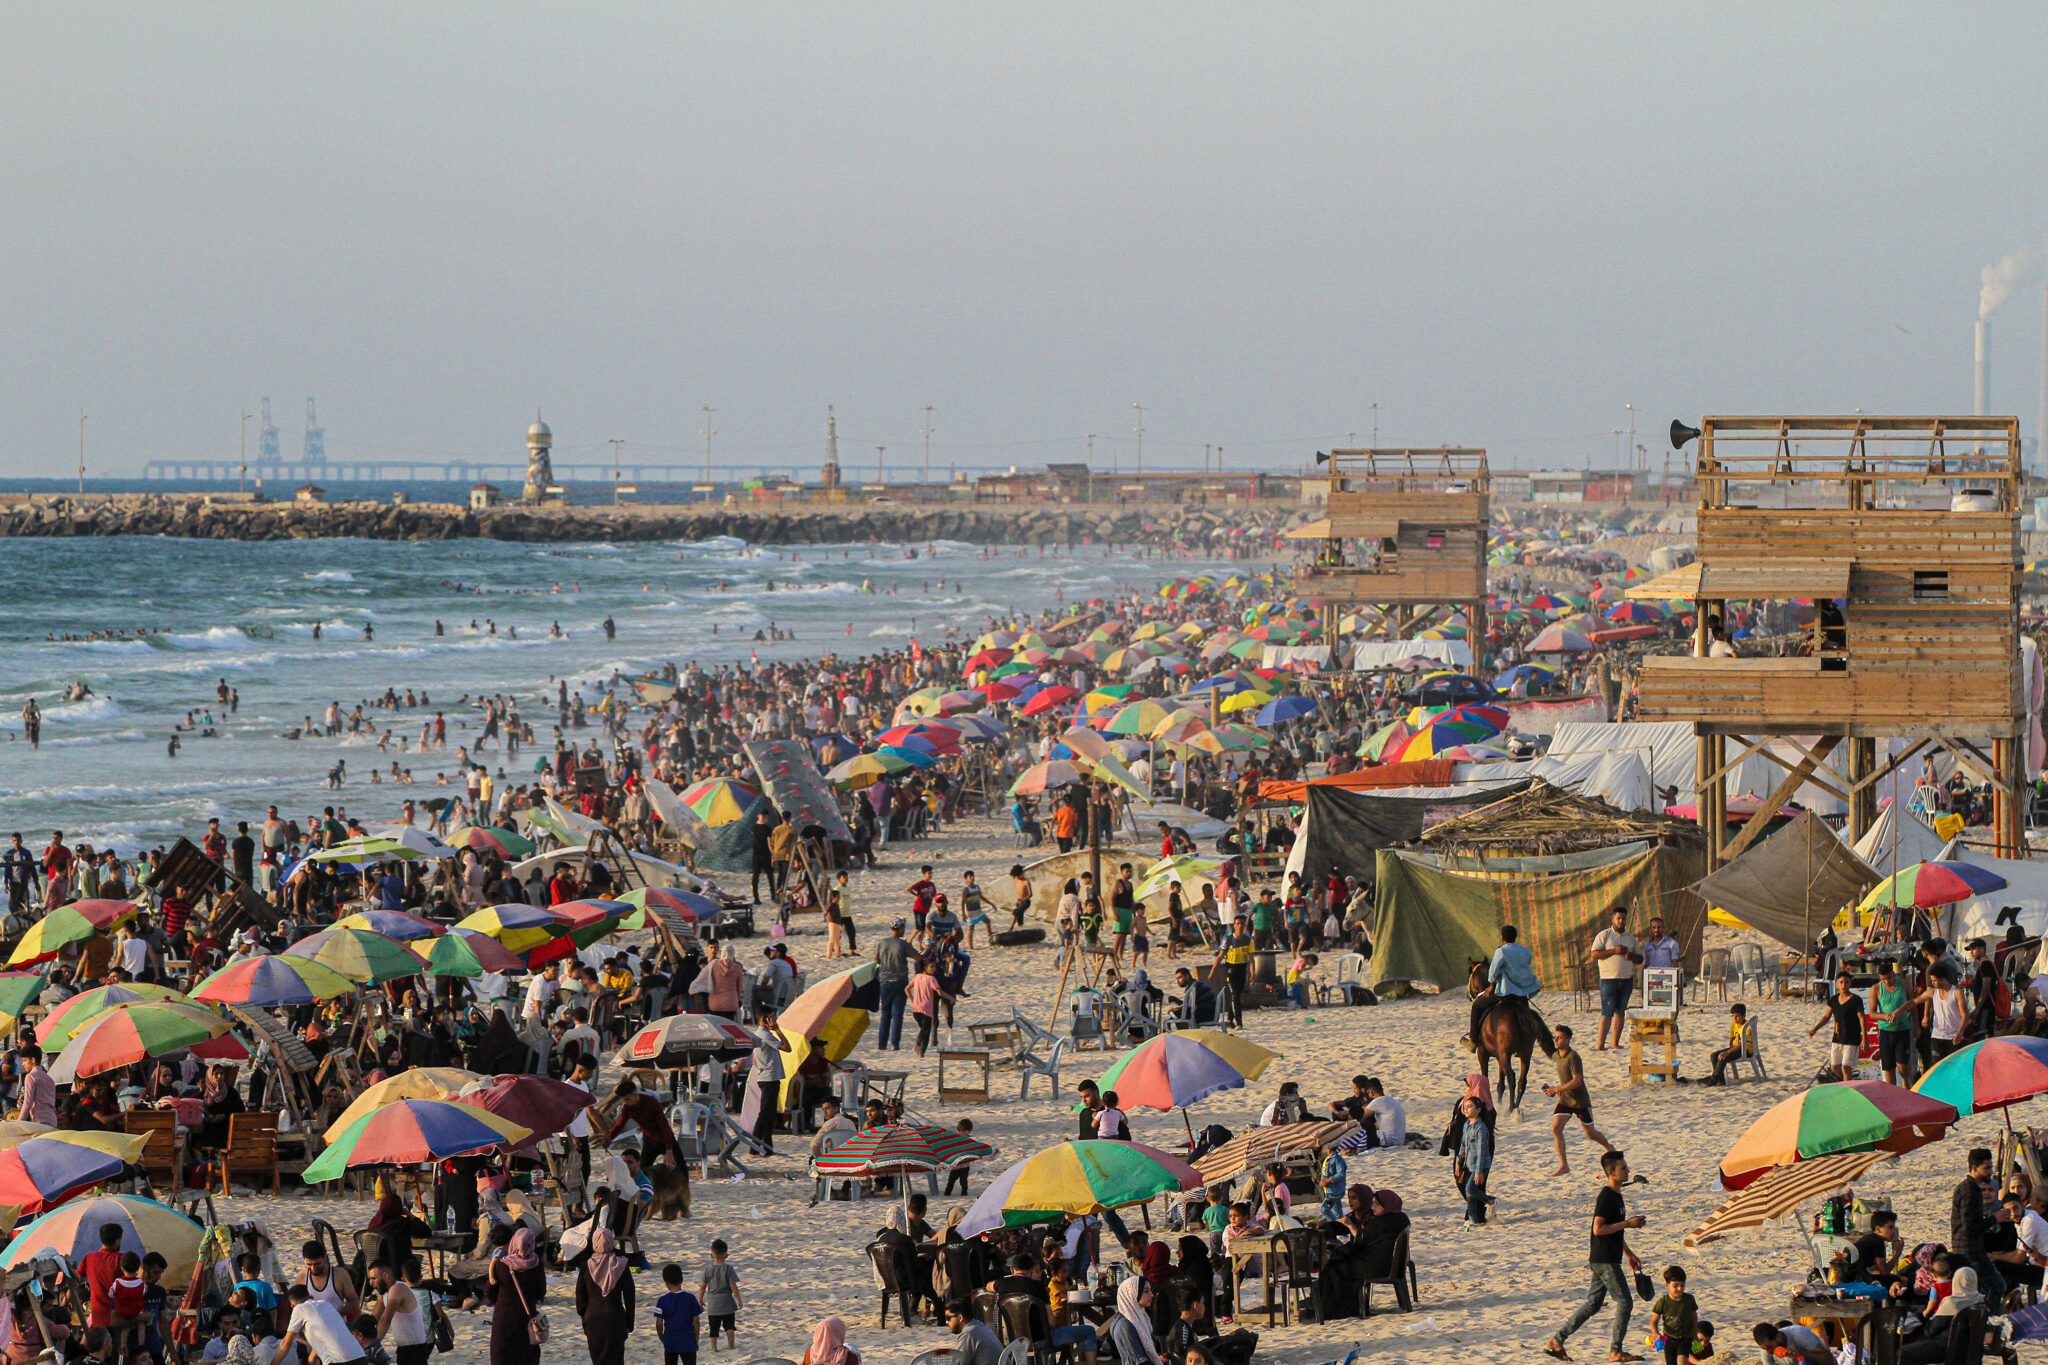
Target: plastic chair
{"points": [[891, 1270], [1350, 975], [1084, 1023], [1748, 963], [1714, 972], [1049, 1068], [1752, 1048], [1404, 1265]]}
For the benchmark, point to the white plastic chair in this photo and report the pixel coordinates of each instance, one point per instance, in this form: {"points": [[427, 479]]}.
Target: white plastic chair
{"points": [[1350, 972], [1049, 1068], [1084, 1021], [1746, 963]]}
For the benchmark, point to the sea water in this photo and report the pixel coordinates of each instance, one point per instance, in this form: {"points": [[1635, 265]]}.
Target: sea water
{"points": [[245, 612]]}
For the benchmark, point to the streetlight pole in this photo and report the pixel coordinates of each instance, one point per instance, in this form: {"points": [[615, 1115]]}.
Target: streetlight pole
{"points": [[245, 453], [927, 442], [1375, 426], [615, 443], [708, 434], [1141, 439], [881, 478], [81, 450], [1631, 437]]}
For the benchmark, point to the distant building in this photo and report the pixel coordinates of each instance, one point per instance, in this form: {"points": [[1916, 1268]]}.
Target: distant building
{"points": [[309, 493], [484, 496], [540, 468]]}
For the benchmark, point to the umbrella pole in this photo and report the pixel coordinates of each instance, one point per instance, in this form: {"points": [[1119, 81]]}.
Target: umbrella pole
{"points": [[1190, 1127]]}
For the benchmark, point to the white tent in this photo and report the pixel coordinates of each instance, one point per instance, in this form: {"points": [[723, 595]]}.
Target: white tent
{"points": [[1380, 653], [1898, 839], [1668, 748], [2026, 890], [1665, 748], [1618, 777]]}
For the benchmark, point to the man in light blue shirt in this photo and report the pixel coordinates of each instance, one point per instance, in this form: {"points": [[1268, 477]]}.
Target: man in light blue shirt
{"points": [[1512, 972]]}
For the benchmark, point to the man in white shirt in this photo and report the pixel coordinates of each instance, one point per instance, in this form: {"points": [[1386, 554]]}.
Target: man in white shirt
{"points": [[318, 1324], [833, 1127], [1615, 954], [540, 995], [1391, 1119]]}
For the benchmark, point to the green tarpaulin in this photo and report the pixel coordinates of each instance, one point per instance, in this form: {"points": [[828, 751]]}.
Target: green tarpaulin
{"points": [[1432, 924]]}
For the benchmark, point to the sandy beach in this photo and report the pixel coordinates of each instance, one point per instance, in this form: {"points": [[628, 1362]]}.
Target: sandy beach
{"points": [[1493, 1293]]}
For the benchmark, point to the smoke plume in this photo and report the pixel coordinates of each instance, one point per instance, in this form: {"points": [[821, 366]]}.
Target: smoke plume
{"points": [[2000, 278]]}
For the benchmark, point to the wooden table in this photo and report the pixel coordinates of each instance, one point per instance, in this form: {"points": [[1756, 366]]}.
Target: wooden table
{"points": [[1873, 1324], [999, 1036], [971, 1090], [882, 1085], [1270, 1247], [1652, 1027]]}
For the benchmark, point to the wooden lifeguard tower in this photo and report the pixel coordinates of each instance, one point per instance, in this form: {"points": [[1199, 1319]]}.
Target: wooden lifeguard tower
{"points": [[1404, 543], [1911, 525]]}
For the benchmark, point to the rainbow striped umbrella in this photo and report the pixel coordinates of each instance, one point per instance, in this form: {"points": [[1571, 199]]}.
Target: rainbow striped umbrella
{"points": [[18, 990], [1137, 718], [1847, 1116], [687, 906], [126, 1034], [516, 926], [1170, 1071], [1990, 1074], [68, 924], [1077, 1178], [469, 953], [491, 839], [719, 800], [66, 1017], [359, 955], [43, 1172], [72, 1230], [392, 924], [409, 1132], [899, 1149], [265, 982], [1934, 882], [1478, 713], [1437, 738], [415, 1083]]}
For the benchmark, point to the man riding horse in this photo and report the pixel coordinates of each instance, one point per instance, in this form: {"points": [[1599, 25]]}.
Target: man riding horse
{"points": [[1511, 973]]}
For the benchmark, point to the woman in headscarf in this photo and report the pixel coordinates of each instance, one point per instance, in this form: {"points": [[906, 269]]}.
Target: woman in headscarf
{"points": [[727, 976], [222, 1101], [398, 1225], [1375, 1222], [1932, 1347], [1477, 1089], [1157, 1265], [517, 1285], [604, 1299], [1131, 1328], [1195, 1265], [828, 1345]]}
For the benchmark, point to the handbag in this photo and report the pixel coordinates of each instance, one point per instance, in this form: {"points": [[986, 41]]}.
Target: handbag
{"points": [[536, 1323], [444, 1329], [1644, 1289]]}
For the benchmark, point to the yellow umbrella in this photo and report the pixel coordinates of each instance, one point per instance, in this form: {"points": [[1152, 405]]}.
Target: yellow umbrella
{"points": [[1109, 770], [1149, 630], [420, 1083], [1249, 700], [1178, 724]]}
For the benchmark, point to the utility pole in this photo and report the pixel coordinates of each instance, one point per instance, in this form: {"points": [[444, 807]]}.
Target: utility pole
{"points": [[1631, 436], [81, 450], [245, 453], [1141, 439], [1375, 426], [1091, 466], [880, 477], [708, 434], [1205, 457], [615, 443], [927, 442]]}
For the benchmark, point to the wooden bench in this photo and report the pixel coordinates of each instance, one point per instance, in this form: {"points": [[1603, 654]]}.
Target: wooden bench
{"points": [[252, 1147], [163, 1155]]}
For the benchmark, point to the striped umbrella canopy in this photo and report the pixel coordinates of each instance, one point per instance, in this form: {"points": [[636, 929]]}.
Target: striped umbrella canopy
{"points": [[668, 902], [899, 1149], [409, 1132], [864, 770], [1136, 718], [539, 1103], [491, 839], [1185, 868], [72, 1230], [516, 926], [265, 982], [1179, 726], [66, 1017], [1848, 1116], [126, 1034], [1991, 1074], [1258, 1146], [910, 754], [1558, 640], [1635, 613], [414, 1083], [1781, 1189], [1432, 740], [1248, 1058], [1931, 883], [470, 953], [1476, 713], [590, 919], [1282, 709], [392, 924], [1048, 699], [127, 1146], [359, 955], [1077, 1178], [68, 924], [18, 990], [719, 800], [1170, 1071], [43, 1172], [1043, 777], [835, 1010], [684, 1040]]}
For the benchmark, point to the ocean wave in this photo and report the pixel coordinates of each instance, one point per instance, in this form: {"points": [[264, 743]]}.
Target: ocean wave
{"points": [[330, 576], [81, 712], [129, 791], [108, 737]]}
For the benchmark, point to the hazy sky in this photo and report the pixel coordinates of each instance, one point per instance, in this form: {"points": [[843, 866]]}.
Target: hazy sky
{"points": [[1500, 223]]}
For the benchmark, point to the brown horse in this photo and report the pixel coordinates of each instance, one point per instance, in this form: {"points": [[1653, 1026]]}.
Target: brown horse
{"points": [[1508, 1032]]}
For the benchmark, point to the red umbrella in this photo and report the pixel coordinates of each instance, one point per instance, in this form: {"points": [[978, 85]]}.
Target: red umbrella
{"points": [[541, 1103], [1048, 699]]}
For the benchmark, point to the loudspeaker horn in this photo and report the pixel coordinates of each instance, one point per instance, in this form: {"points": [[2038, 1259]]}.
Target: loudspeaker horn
{"points": [[1322, 457], [1681, 433]]}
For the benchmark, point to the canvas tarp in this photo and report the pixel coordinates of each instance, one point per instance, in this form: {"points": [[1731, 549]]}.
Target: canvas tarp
{"points": [[1665, 747], [1669, 749], [1431, 925], [1793, 884], [1369, 654], [1342, 829], [1547, 715]]}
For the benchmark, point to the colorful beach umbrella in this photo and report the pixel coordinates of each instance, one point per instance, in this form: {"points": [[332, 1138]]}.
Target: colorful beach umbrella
{"points": [[900, 1149], [1558, 640], [689, 1040], [18, 990], [1185, 868], [1283, 709], [414, 1083], [491, 839], [72, 1230], [66, 1017], [266, 982], [468, 953], [43, 1172], [719, 800], [1248, 1058], [1431, 741], [359, 955], [1136, 718], [127, 1034], [671, 903], [864, 770], [408, 1132], [1931, 883], [1170, 1071], [394, 924], [1851, 1116], [1074, 1179], [541, 1104], [1044, 777], [68, 924], [1048, 699], [1990, 1074], [835, 1011]]}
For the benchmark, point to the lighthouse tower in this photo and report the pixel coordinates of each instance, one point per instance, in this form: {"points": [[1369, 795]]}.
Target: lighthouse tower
{"points": [[540, 470]]}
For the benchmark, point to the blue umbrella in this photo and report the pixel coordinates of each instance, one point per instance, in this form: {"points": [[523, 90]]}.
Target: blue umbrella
{"points": [[1535, 673], [1284, 709], [1230, 686], [916, 758]]}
